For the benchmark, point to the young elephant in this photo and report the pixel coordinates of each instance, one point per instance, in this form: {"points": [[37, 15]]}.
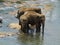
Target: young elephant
{"points": [[22, 10], [33, 18]]}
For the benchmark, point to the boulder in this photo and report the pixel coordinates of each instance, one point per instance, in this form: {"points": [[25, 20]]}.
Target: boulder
{"points": [[14, 26], [1, 19]]}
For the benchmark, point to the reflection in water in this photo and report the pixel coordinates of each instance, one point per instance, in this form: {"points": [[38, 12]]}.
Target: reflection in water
{"points": [[30, 39]]}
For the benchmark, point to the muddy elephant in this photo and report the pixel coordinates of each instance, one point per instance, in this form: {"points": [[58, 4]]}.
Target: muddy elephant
{"points": [[33, 18]]}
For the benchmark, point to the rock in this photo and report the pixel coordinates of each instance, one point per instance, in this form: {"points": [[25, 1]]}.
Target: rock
{"points": [[2, 35], [19, 5], [5, 34], [35, 5], [19, 2], [47, 7], [13, 13], [14, 26], [7, 4], [1, 0], [1, 19], [10, 34]]}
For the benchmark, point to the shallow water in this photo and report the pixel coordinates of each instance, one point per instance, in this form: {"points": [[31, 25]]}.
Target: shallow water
{"points": [[51, 35]]}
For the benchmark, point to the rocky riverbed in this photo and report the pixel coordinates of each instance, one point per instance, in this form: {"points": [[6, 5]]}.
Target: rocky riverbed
{"points": [[9, 28]]}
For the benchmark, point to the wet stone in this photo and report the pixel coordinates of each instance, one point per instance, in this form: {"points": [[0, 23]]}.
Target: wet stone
{"points": [[1, 19], [6, 34], [14, 26]]}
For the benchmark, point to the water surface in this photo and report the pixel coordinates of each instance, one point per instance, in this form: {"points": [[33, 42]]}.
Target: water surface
{"points": [[52, 28]]}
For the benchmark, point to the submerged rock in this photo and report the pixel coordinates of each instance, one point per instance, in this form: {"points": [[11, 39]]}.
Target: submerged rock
{"points": [[5, 34], [14, 26], [1, 19], [1, 36]]}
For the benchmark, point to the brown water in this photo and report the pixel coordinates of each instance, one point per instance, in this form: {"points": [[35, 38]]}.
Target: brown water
{"points": [[52, 29]]}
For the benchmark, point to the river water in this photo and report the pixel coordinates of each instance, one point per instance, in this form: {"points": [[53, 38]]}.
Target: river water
{"points": [[51, 33]]}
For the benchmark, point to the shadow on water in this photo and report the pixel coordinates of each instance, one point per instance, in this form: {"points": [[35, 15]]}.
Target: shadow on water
{"points": [[30, 39]]}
